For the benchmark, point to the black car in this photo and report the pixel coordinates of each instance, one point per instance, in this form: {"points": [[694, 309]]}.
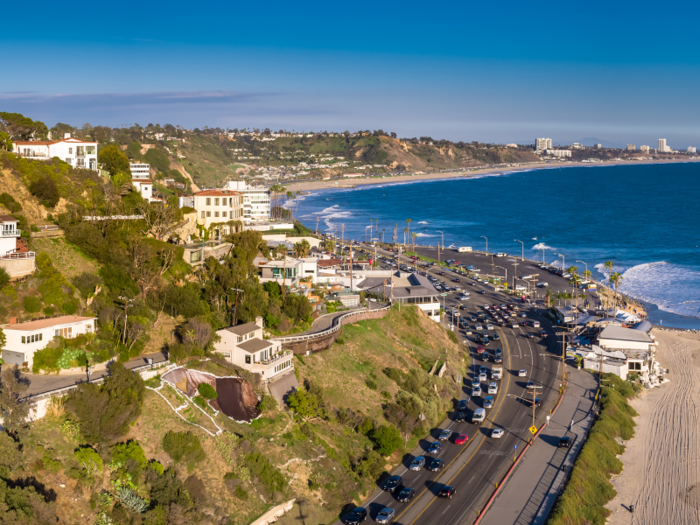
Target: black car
{"points": [[463, 404], [565, 442], [447, 492], [461, 416], [392, 483], [406, 494], [436, 465], [356, 516]]}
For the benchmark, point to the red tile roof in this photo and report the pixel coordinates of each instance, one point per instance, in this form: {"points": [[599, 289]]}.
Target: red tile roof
{"points": [[217, 193], [7, 218], [325, 263]]}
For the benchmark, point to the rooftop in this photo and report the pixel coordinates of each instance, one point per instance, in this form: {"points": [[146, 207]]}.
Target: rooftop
{"points": [[327, 263], [7, 218], [254, 345], [618, 333], [46, 323], [217, 193], [242, 329]]}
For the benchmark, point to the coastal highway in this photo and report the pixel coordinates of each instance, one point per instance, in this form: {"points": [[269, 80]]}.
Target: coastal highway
{"points": [[476, 467]]}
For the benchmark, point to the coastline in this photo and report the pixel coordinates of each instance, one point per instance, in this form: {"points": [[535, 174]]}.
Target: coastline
{"points": [[475, 172]]}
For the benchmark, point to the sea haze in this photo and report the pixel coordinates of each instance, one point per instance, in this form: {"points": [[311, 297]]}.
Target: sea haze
{"points": [[642, 217]]}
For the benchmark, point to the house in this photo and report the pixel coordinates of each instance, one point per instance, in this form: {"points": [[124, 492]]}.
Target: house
{"points": [[243, 345], [348, 299], [286, 272], [77, 153], [328, 264], [217, 208], [24, 339], [15, 256], [617, 337], [405, 288], [256, 201]]}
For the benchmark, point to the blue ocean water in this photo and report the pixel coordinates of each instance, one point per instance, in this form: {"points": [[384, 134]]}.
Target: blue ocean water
{"points": [[644, 218]]}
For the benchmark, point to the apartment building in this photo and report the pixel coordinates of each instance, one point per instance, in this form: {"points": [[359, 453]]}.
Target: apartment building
{"points": [[558, 152], [218, 207], [663, 147], [631, 147], [25, 339], [256, 201], [644, 149], [543, 144], [692, 149], [77, 153]]}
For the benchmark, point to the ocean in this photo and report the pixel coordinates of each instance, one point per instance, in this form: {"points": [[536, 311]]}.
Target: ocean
{"points": [[644, 218]]}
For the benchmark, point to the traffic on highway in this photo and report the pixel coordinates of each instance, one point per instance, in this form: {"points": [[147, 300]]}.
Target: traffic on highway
{"points": [[515, 374]]}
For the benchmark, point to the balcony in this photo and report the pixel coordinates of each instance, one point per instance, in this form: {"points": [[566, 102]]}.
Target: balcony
{"points": [[267, 367], [19, 255], [33, 154], [10, 233]]}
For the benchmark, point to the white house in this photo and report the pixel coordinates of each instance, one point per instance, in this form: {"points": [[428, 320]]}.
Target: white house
{"points": [[256, 201], [77, 153], [286, 272], [405, 288], [218, 207], [244, 346], [619, 338], [24, 339], [15, 257]]}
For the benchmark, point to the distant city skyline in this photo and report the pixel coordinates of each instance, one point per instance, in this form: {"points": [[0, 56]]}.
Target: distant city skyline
{"points": [[413, 70]]}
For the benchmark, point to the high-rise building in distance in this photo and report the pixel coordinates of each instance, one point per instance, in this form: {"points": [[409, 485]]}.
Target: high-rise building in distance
{"points": [[663, 147], [543, 144]]}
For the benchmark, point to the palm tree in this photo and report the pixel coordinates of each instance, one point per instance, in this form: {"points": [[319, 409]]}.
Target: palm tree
{"points": [[382, 235], [615, 279], [409, 221], [413, 236], [609, 266], [405, 236]]}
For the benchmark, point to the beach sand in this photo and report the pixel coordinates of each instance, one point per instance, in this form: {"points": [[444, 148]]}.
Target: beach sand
{"points": [[351, 182], [660, 476]]}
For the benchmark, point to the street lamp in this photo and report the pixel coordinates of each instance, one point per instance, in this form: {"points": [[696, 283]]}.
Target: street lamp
{"points": [[522, 256], [563, 261], [487, 242], [585, 265]]}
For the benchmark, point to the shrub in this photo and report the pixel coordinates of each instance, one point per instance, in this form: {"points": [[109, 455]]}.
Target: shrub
{"points": [[47, 360], [10, 203], [197, 490], [370, 384], [166, 488], [207, 391], [270, 477], [200, 402], [89, 460], [44, 188], [267, 403], [183, 446], [386, 439], [131, 501], [86, 283], [241, 493], [31, 304], [122, 453], [453, 337], [106, 411]]}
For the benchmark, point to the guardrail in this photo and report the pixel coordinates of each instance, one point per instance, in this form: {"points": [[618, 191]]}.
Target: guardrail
{"points": [[19, 255], [337, 325]]}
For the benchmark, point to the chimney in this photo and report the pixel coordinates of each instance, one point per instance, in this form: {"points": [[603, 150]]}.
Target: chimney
{"points": [[66, 135], [259, 322], [13, 321]]}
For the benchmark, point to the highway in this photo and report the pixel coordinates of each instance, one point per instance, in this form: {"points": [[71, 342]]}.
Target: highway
{"points": [[476, 467]]}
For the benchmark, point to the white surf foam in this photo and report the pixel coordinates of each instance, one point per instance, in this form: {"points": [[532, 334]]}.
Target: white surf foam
{"points": [[541, 246], [422, 222]]}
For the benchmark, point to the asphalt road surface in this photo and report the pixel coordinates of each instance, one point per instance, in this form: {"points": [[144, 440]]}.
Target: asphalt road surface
{"points": [[476, 467]]}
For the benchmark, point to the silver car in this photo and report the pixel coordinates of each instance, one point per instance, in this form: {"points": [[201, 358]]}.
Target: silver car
{"points": [[385, 515]]}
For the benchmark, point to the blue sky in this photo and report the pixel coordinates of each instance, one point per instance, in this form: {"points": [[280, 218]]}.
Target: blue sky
{"points": [[501, 72]]}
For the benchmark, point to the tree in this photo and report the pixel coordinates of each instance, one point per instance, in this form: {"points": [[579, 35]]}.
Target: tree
{"points": [[387, 439], [609, 266], [408, 229], [12, 388], [303, 403], [615, 280], [3, 339], [159, 219], [19, 127], [113, 160], [44, 188], [5, 141], [301, 249]]}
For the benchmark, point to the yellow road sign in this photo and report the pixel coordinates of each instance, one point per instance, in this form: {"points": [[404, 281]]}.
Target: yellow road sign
{"points": [[533, 429]]}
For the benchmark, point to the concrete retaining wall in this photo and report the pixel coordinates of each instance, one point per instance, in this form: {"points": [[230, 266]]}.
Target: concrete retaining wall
{"points": [[17, 268], [275, 512]]}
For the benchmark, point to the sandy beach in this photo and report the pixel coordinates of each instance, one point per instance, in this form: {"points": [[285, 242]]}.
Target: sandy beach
{"points": [[474, 172], [661, 471]]}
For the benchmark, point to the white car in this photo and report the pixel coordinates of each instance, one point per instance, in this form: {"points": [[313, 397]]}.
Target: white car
{"points": [[522, 373], [493, 388], [515, 325], [489, 326], [483, 377], [523, 314], [476, 392], [478, 327], [497, 433]]}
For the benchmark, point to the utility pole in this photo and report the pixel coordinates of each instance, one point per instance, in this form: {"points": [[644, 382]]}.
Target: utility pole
{"points": [[515, 273], [350, 268], [317, 219], [342, 229]]}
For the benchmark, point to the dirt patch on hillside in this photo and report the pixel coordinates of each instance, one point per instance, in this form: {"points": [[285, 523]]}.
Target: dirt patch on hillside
{"points": [[179, 167], [31, 208], [68, 259]]}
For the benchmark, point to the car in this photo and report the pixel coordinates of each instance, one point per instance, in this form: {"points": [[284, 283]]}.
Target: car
{"points": [[530, 336], [463, 403], [473, 319], [515, 325], [493, 388], [483, 370], [497, 433], [482, 377], [444, 434], [467, 332], [543, 333], [476, 391], [498, 359], [447, 491], [357, 515], [478, 327], [385, 515], [482, 292], [522, 373], [485, 341], [543, 284], [461, 416], [435, 447], [475, 383], [531, 385], [441, 273], [488, 402], [461, 439], [417, 463], [564, 442], [480, 349], [496, 337], [392, 483], [523, 314], [455, 280], [489, 326], [498, 351], [535, 324], [436, 464], [406, 494]]}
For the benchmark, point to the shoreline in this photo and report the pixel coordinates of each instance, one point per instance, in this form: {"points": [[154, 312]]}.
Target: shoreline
{"points": [[321, 185]]}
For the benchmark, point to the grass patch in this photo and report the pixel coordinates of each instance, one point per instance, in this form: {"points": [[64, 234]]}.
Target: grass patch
{"points": [[589, 489]]}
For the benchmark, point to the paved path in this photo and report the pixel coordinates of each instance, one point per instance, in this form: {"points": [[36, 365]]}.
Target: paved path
{"points": [[38, 384], [533, 487], [325, 322]]}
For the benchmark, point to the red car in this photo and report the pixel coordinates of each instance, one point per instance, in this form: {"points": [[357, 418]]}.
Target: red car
{"points": [[461, 439], [479, 349]]}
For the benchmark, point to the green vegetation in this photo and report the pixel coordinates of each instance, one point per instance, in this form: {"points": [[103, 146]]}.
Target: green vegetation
{"points": [[183, 446], [589, 489], [207, 391]]}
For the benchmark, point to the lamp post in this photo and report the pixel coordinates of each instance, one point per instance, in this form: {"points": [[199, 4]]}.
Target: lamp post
{"points": [[522, 252], [584, 265], [487, 242], [443, 244], [563, 262]]}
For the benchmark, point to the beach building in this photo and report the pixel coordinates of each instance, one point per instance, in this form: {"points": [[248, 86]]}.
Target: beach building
{"points": [[511, 145], [644, 149], [631, 147], [15, 256], [217, 209], [25, 339], [619, 338], [256, 201], [663, 147], [405, 288], [353, 175], [77, 153], [286, 272], [558, 152], [543, 144], [245, 346], [691, 149], [597, 146]]}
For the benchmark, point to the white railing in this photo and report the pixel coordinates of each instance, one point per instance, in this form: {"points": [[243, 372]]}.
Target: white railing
{"points": [[10, 233], [19, 255], [33, 154], [277, 357]]}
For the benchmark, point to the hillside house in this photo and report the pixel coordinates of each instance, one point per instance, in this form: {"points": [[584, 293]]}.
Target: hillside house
{"points": [[77, 153], [15, 256]]}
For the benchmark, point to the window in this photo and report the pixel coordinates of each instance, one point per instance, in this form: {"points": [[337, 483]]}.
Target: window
{"points": [[247, 360], [90, 150], [203, 215], [208, 214], [216, 202], [216, 214], [88, 328], [208, 201], [632, 365], [223, 214], [70, 151], [23, 340], [196, 256]]}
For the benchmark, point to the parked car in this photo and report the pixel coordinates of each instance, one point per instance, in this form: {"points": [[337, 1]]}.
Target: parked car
{"points": [[461, 439], [417, 463], [406, 494], [565, 442], [386, 515], [392, 483], [447, 491], [356, 516]]}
